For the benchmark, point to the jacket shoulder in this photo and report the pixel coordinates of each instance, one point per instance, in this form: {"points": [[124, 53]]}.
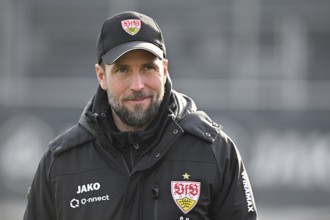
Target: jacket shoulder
{"points": [[201, 125], [73, 137]]}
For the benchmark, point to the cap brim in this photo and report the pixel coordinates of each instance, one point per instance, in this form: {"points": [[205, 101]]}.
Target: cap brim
{"points": [[115, 53]]}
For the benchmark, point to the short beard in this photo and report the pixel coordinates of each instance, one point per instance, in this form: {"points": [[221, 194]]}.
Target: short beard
{"points": [[138, 118]]}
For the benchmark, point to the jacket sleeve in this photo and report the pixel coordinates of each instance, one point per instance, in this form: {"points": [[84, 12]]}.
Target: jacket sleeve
{"points": [[234, 200], [40, 205]]}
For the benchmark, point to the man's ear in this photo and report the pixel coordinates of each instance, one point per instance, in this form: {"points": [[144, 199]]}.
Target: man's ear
{"points": [[100, 74], [165, 69]]}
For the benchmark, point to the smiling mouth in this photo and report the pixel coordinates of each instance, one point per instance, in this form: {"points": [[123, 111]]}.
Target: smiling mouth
{"points": [[138, 100], [137, 97]]}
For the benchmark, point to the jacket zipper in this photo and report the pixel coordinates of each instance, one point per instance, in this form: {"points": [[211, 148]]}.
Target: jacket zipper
{"points": [[94, 122], [155, 195]]}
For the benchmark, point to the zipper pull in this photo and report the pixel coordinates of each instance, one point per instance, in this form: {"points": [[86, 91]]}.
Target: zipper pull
{"points": [[155, 192], [155, 195]]}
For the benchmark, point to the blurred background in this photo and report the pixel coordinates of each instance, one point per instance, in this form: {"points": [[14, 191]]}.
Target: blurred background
{"points": [[258, 67]]}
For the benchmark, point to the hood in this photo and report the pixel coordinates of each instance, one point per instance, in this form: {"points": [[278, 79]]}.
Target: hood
{"points": [[181, 105], [97, 122]]}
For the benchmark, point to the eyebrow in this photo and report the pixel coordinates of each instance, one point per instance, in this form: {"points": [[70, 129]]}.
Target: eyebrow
{"points": [[117, 64], [153, 62]]}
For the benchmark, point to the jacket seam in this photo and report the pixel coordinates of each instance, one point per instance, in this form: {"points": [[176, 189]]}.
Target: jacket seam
{"points": [[218, 191]]}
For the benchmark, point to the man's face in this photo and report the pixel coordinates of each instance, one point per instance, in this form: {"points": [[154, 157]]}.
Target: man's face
{"points": [[135, 88]]}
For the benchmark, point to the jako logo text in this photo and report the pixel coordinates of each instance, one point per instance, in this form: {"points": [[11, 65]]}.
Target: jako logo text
{"points": [[88, 187]]}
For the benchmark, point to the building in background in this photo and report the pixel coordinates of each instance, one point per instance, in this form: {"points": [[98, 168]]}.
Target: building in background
{"points": [[259, 67]]}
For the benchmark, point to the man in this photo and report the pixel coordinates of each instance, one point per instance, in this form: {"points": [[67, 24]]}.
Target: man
{"points": [[140, 150]]}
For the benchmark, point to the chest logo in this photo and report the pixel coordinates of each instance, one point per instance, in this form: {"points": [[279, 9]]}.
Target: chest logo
{"points": [[88, 187], [185, 194], [131, 26]]}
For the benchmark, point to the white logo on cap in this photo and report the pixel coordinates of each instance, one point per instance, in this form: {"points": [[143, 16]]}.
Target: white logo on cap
{"points": [[131, 26]]}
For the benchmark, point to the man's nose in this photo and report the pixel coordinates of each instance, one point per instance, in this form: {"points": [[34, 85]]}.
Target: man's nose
{"points": [[137, 83]]}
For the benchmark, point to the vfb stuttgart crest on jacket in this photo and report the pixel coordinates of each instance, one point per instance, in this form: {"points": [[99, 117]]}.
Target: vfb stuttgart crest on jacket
{"points": [[131, 26], [185, 194]]}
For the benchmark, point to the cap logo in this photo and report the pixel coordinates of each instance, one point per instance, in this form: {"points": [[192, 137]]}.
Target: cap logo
{"points": [[131, 26]]}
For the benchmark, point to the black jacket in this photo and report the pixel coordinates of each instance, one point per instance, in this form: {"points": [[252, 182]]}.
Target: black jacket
{"points": [[187, 168]]}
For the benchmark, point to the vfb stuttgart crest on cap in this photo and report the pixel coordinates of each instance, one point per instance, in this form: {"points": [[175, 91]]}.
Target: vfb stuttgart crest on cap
{"points": [[185, 194], [131, 26]]}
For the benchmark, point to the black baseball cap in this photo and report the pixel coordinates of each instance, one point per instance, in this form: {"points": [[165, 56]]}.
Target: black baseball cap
{"points": [[129, 31]]}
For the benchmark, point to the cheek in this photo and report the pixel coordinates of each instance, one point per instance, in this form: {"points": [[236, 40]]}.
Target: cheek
{"points": [[117, 89], [156, 83], [155, 87]]}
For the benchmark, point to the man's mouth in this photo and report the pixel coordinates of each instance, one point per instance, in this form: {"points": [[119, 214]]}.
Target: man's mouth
{"points": [[138, 99]]}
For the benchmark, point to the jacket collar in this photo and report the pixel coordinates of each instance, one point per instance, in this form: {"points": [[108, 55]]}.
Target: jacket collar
{"points": [[175, 105], [97, 118]]}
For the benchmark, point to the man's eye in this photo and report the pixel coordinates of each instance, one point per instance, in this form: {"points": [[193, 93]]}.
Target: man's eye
{"points": [[122, 70], [149, 67]]}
